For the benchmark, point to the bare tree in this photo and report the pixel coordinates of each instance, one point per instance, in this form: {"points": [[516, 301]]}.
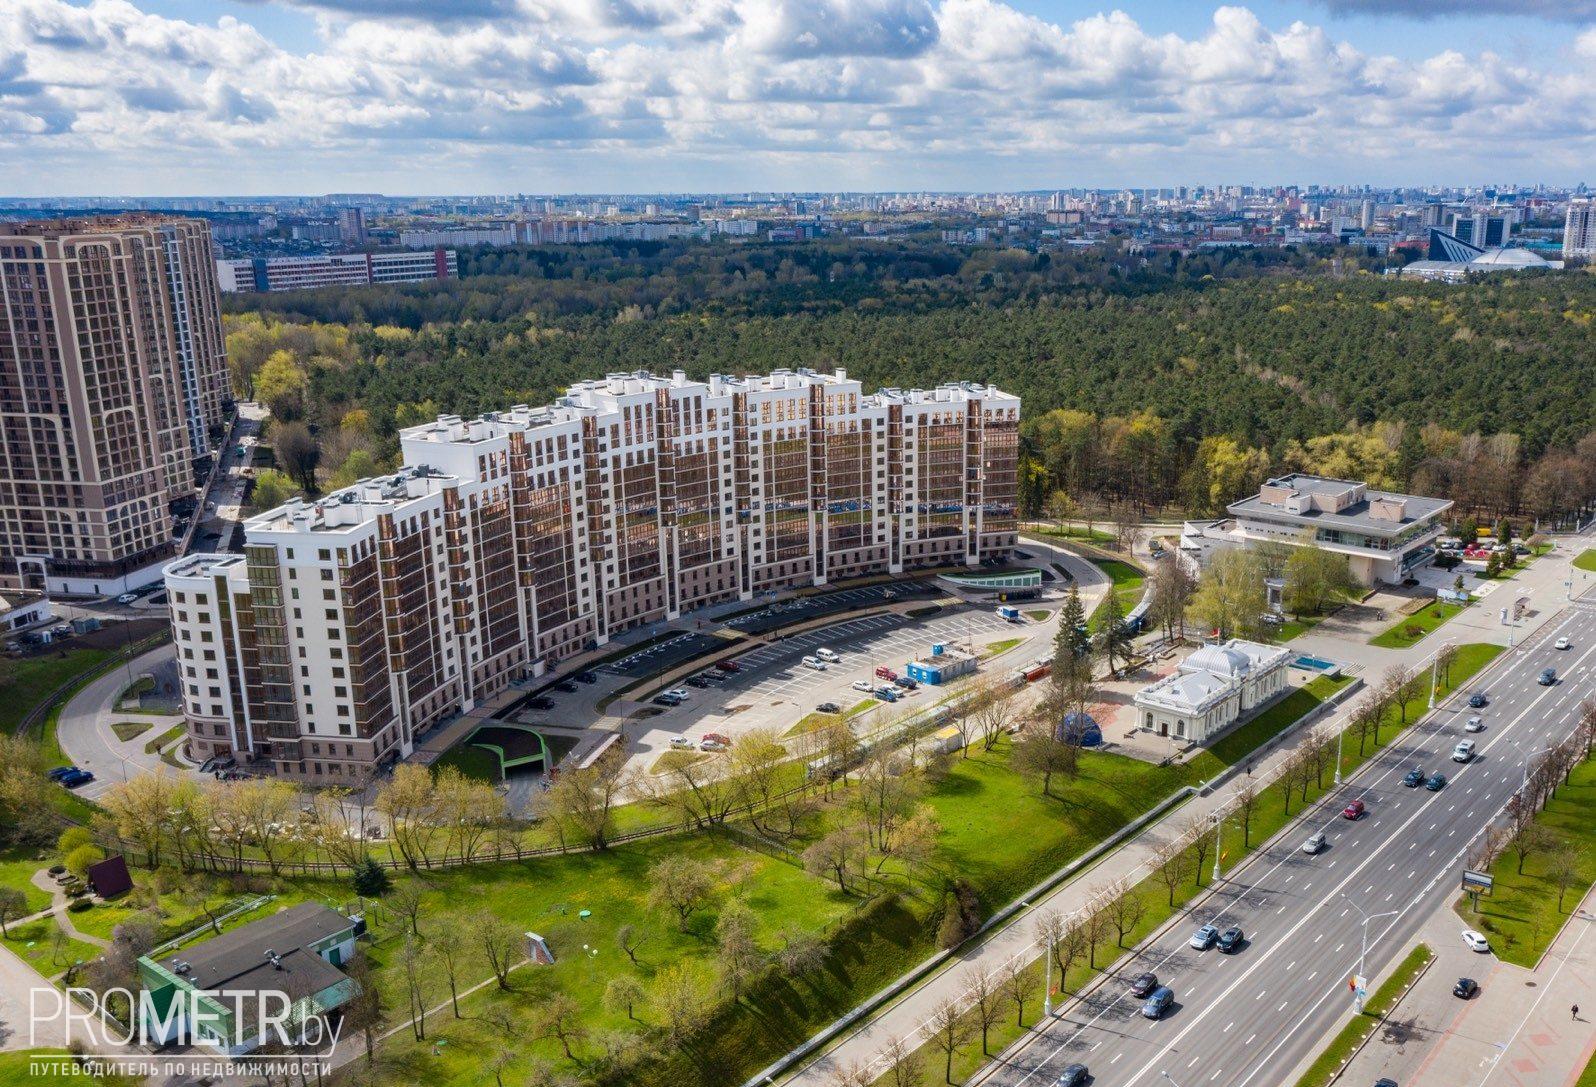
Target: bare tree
{"points": [[986, 1002], [448, 946], [1197, 836], [1564, 864], [904, 1066], [1172, 867], [682, 885], [1246, 800], [581, 802], [405, 900], [623, 994], [853, 1074], [1531, 840], [629, 939], [500, 942], [839, 855], [1126, 908], [562, 1019], [950, 1031], [1016, 983], [681, 995], [410, 958], [1097, 924]]}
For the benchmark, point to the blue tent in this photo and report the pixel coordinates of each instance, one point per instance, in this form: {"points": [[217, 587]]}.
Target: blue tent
{"points": [[1080, 729]]}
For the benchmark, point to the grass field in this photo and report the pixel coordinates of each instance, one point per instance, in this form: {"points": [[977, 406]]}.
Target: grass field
{"points": [[1411, 629], [162, 739], [36, 944], [17, 866], [1127, 587], [1039, 615], [473, 762], [33, 679], [1586, 560], [811, 721], [1295, 626], [1239, 744], [994, 648], [1522, 915], [1379, 1003], [126, 730]]}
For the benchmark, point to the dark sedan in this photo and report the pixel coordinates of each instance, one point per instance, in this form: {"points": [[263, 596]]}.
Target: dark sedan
{"points": [[1231, 939], [1415, 777], [1465, 988], [1142, 985], [1436, 783], [1073, 1075]]}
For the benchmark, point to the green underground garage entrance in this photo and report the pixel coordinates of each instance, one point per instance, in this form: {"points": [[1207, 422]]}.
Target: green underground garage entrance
{"points": [[516, 747]]}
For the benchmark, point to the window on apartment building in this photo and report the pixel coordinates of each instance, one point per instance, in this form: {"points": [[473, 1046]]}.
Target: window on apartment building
{"points": [[326, 575], [210, 654], [332, 613], [338, 673], [297, 615], [328, 594], [332, 634], [324, 555], [210, 673], [345, 730]]}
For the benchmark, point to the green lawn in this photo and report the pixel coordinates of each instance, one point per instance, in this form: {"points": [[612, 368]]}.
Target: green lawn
{"points": [[1127, 587], [1410, 629], [811, 721], [1296, 625], [34, 679], [35, 943], [1586, 560], [127, 730], [1039, 615], [16, 1071], [473, 762], [1587, 1078], [1522, 915], [17, 865], [1379, 1003], [164, 738], [1239, 744], [1003, 646], [676, 760], [1077, 532]]}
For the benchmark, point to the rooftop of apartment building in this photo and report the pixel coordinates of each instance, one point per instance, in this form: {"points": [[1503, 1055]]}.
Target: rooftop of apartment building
{"points": [[598, 394], [203, 564], [1338, 503], [354, 506], [87, 224]]}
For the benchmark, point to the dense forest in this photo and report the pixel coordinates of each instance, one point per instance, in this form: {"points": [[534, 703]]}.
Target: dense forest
{"points": [[1155, 378]]}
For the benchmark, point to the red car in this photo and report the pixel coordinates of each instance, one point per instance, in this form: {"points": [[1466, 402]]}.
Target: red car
{"points": [[728, 666], [886, 673], [1353, 810]]}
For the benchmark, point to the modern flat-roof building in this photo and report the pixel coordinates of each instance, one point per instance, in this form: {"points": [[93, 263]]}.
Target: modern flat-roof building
{"points": [[1213, 689], [1385, 536], [1579, 229], [336, 270], [510, 542], [214, 993], [112, 378]]}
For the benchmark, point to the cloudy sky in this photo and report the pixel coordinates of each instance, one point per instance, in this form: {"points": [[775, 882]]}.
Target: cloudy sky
{"points": [[165, 97]]}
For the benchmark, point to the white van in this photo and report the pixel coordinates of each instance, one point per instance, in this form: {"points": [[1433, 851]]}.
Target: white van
{"points": [[827, 655], [816, 663]]}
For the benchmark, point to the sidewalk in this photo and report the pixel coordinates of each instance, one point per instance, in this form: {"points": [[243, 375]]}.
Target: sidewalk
{"points": [[905, 1018], [1518, 1032]]}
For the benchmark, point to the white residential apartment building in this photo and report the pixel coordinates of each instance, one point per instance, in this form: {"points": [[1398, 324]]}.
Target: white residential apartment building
{"points": [[1579, 230], [510, 542]]}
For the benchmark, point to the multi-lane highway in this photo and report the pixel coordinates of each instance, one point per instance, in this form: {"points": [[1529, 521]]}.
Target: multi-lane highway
{"points": [[1247, 1019]]}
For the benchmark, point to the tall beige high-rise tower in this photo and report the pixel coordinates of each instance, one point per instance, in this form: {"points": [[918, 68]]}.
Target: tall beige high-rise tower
{"points": [[112, 380]]}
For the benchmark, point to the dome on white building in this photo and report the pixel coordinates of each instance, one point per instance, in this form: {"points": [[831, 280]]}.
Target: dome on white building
{"points": [[1219, 660]]}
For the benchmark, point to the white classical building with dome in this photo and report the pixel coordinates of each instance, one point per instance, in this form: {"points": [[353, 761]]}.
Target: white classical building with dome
{"points": [[1214, 688]]}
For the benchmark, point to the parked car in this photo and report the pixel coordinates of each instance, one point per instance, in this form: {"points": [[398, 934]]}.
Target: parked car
{"points": [[76, 778], [828, 707], [1353, 810], [886, 673], [706, 744], [1475, 724], [696, 681], [827, 655], [677, 692], [1563, 643], [1158, 1002], [1547, 677], [1204, 937], [127, 598], [863, 685], [586, 677], [1475, 941], [728, 666], [665, 700], [1465, 988], [62, 771], [1315, 843], [906, 683], [1477, 700], [1143, 984], [682, 743], [1436, 783], [1414, 777], [1464, 751], [814, 662], [1231, 940], [565, 685], [886, 694], [1073, 1075], [541, 702]]}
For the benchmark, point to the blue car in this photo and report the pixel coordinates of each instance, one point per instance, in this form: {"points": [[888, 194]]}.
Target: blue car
{"points": [[1548, 677], [76, 778], [1158, 1003], [62, 771], [1477, 700], [1415, 778]]}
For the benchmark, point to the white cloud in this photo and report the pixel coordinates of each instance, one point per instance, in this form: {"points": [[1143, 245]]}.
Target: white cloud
{"points": [[573, 94]]}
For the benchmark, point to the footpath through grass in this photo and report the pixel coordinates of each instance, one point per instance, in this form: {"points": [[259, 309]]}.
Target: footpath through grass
{"points": [[1364, 1023], [1525, 911], [1411, 629]]}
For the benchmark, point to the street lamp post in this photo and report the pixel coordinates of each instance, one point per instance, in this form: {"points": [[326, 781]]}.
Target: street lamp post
{"points": [[1435, 668], [1219, 825], [1363, 949], [1340, 736], [1523, 784]]}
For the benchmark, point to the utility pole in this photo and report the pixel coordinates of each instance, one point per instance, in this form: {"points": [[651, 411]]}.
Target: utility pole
{"points": [[1340, 734], [1435, 667], [1219, 826], [1363, 951]]}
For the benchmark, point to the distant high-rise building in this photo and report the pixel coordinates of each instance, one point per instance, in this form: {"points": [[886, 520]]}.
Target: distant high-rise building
{"points": [[1483, 230], [112, 376], [1579, 232], [352, 226], [1366, 218]]}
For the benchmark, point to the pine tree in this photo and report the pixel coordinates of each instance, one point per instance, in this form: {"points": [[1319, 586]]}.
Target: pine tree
{"points": [[1112, 637], [371, 879]]}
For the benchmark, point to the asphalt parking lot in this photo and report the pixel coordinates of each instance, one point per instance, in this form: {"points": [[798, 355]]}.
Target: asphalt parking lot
{"points": [[805, 609], [775, 689], [663, 656]]}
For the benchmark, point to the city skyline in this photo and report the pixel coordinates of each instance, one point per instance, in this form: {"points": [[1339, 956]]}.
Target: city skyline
{"points": [[729, 95]]}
